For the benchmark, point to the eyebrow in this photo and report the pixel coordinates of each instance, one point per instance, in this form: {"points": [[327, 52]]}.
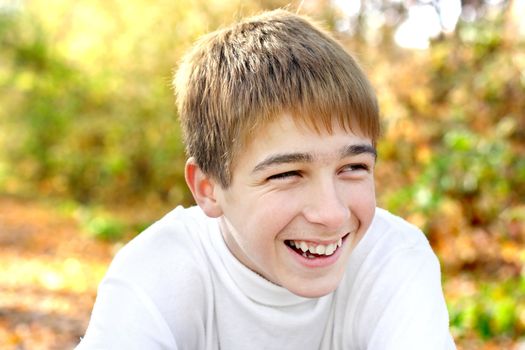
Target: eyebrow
{"points": [[285, 158], [354, 150]]}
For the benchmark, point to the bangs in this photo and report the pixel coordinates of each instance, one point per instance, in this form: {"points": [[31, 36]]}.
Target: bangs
{"points": [[307, 74], [319, 97]]}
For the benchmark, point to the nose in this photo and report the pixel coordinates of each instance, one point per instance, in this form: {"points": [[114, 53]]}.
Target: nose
{"points": [[326, 206]]}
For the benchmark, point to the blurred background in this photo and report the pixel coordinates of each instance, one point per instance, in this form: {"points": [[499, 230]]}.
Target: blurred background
{"points": [[90, 149]]}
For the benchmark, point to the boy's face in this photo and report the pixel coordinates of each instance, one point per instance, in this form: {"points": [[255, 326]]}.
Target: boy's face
{"points": [[298, 204]]}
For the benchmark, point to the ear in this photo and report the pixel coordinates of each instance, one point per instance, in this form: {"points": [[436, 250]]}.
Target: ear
{"points": [[202, 187]]}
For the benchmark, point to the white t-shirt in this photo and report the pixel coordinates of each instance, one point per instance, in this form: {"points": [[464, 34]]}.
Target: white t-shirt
{"points": [[177, 286]]}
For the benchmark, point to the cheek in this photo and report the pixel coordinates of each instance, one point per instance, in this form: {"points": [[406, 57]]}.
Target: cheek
{"points": [[363, 202], [273, 216], [267, 217], [363, 205]]}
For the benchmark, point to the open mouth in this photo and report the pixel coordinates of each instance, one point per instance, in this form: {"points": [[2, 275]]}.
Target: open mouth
{"points": [[312, 250]]}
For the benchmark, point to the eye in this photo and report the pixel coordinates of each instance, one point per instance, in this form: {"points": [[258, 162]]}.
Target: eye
{"points": [[284, 176], [360, 166], [355, 167]]}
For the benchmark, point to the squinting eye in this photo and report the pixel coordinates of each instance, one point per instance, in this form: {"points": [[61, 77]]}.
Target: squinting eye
{"points": [[282, 176], [360, 167], [357, 167]]}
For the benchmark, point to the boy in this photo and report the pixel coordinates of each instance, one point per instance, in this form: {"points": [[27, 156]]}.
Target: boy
{"points": [[286, 249]]}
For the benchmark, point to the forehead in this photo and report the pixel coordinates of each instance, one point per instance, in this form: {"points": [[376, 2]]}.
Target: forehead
{"points": [[286, 133]]}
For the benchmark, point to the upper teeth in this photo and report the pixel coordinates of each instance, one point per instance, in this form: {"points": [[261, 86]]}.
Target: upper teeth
{"points": [[318, 249]]}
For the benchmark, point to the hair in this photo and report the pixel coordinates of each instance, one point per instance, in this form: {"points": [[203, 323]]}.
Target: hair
{"points": [[238, 79]]}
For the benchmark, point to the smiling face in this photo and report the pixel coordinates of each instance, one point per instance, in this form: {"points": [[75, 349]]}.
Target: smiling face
{"points": [[298, 204]]}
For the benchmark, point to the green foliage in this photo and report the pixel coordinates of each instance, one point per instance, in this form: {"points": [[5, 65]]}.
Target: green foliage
{"points": [[482, 171], [494, 310], [104, 225], [105, 228], [472, 130], [75, 132]]}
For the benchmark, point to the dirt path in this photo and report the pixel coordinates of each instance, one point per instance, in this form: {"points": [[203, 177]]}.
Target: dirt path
{"points": [[48, 276]]}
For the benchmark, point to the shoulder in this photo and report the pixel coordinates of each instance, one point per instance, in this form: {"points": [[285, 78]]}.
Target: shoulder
{"points": [[391, 239], [393, 247], [395, 280], [399, 247], [174, 239], [167, 261], [157, 289], [396, 230], [391, 251]]}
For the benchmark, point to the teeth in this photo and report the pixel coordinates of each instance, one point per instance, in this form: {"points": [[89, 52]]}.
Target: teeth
{"points": [[316, 249], [303, 246], [330, 249]]}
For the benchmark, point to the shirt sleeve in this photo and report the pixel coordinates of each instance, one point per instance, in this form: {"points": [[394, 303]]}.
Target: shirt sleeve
{"points": [[410, 309], [124, 317]]}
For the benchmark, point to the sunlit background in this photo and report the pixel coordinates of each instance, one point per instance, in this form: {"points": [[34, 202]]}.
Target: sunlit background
{"points": [[90, 149]]}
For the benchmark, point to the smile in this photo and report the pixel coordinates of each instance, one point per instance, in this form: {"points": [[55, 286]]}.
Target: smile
{"points": [[313, 250]]}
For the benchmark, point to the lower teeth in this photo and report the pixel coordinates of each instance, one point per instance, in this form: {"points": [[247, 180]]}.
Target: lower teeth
{"points": [[309, 256]]}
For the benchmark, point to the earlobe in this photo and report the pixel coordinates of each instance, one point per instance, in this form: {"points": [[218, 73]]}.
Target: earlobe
{"points": [[202, 187]]}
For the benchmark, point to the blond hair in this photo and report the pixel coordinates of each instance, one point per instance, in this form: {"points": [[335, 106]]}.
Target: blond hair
{"points": [[237, 79]]}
